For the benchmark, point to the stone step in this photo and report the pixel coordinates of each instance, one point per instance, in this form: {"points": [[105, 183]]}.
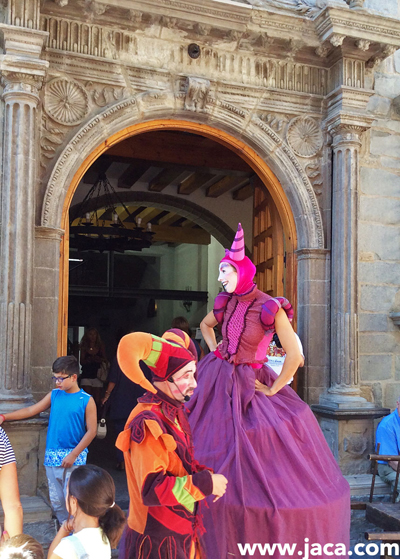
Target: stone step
{"points": [[44, 532], [360, 486], [384, 515]]}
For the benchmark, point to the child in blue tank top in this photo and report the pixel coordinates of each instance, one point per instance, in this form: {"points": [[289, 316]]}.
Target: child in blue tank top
{"points": [[72, 427]]}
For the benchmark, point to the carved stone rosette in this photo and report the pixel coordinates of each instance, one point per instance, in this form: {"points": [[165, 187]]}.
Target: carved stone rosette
{"points": [[304, 136], [66, 101]]}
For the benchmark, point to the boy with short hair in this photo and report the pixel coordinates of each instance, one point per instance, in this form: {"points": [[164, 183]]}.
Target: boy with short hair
{"points": [[72, 427]]}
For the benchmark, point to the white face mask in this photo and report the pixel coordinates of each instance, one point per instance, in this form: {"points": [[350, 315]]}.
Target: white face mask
{"points": [[228, 277]]}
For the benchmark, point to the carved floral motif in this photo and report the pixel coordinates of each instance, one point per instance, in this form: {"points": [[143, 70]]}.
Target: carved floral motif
{"points": [[276, 122], [51, 137], [66, 101], [304, 136], [103, 96]]}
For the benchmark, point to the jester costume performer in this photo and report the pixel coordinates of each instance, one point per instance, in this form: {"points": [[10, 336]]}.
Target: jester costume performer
{"points": [[165, 483], [284, 484]]}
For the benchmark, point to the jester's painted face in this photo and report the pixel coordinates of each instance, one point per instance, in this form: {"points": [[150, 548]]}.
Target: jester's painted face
{"points": [[228, 277], [184, 382]]}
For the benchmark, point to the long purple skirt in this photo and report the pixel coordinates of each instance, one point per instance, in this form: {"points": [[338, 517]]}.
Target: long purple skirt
{"points": [[284, 483]]}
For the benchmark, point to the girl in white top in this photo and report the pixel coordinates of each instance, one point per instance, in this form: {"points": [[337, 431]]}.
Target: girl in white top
{"points": [[94, 518]]}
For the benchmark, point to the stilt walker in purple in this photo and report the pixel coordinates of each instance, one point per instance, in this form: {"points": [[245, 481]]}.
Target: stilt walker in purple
{"points": [[248, 424]]}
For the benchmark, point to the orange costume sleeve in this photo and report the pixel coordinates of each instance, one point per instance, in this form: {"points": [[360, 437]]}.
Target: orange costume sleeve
{"points": [[156, 476]]}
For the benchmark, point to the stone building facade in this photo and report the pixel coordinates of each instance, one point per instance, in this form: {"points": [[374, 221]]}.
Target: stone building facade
{"points": [[305, 91]]}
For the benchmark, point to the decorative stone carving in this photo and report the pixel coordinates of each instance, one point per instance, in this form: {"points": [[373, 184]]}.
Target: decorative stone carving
{"points": [[95, 8], [196, 94], [221, 113], [355, 444], [103, 96], [135, 16], [169, 22], [304, 136], [21, 82], [66, 101], [363, 44], [310, 7], [388, 50], [202, 29], [22, 14], [61, 3], [337, 39], [51, 137], [276, 122], [87, 38], [313, 171], [322, 51]]}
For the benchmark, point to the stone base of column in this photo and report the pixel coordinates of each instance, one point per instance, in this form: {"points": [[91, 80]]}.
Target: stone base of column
{"points": [[9, 403], [28, 439], [349, 431], [337, 401]]}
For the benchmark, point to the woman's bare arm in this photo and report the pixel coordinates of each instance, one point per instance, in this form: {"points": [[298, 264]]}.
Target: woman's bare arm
{"points": [[11, 503], [294, 358], [207, 329]]}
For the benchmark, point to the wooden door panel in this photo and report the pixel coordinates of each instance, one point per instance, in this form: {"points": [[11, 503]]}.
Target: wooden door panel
{"points": [[268, 245]]}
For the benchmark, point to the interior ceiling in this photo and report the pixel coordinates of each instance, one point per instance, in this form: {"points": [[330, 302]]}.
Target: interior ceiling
{"points": [[185, 161]]}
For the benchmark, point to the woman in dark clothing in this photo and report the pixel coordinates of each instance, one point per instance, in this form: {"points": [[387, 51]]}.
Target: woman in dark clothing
{"points": [[122, 395], [93, 354]]}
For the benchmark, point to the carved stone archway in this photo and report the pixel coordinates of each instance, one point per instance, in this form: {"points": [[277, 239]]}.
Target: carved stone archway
{"points": [[251, 138], [199, 112]]}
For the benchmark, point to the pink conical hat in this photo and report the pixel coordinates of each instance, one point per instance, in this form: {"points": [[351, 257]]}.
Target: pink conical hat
{"points": [[245, 268], [237, 251]]}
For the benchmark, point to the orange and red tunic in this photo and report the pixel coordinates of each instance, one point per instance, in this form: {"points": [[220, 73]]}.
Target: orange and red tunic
{"points": [[165, 483]]}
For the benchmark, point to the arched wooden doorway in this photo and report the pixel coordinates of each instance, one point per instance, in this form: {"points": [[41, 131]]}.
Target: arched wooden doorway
{"points": [[279, 224]]}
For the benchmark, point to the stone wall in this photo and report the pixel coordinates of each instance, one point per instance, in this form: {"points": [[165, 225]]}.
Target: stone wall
{"points": [[379, 239]]}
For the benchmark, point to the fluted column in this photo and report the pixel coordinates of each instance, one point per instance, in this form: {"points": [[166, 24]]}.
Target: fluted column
{"points": [[346, 145], [21, 78]]}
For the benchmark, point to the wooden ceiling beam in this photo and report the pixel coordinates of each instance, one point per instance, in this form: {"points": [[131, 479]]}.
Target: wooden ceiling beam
{"points": [[150, 215], [244, 192], [134, 214], [126, 160], [194, 182], [181, 149], [169, 219], [180, 235], [144, 214], [225, 185], [163, 179], [132, 174]]}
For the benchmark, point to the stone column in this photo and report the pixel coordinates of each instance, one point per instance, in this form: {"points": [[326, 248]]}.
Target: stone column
{"points": [[344, 390], [22, 77], [346, 418]]}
